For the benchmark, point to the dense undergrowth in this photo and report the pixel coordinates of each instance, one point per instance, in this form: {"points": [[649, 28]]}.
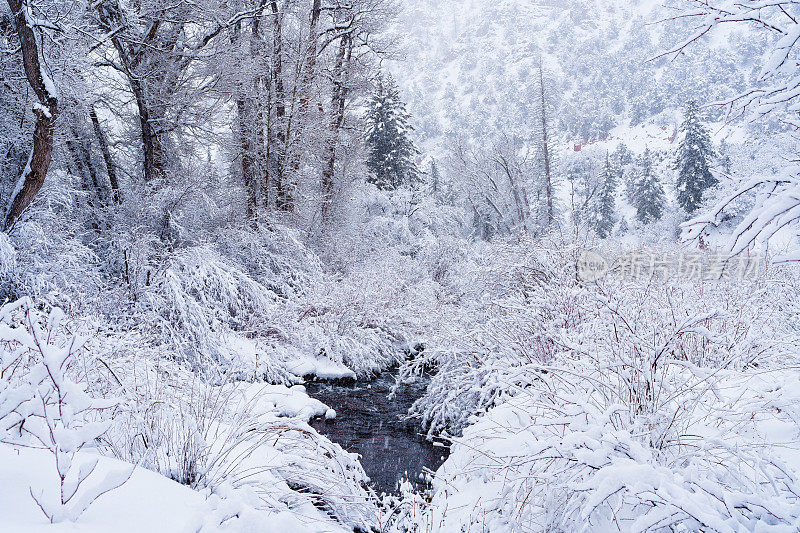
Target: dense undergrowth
{"points": [[649, 403]]}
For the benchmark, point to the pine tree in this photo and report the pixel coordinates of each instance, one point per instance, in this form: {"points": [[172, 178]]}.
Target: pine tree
{"points": [[621, 159], [648, 193], [435, 180], [604, 214], [695, 154], [723, 157], [391, 153]]}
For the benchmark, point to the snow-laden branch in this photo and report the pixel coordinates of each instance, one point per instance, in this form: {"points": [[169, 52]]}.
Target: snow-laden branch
{"points": [[41, 407]]}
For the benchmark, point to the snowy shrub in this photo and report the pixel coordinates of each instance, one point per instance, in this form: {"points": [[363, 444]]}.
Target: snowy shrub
{"points": [[8, 260], [41, 407], [134, 257], [635, 407], [208, 308], [273, 256], [360, 319], [53, 259], [247, 438], [522, 303], [403, 513], [7, 256], [512, 302], [556, 458]]}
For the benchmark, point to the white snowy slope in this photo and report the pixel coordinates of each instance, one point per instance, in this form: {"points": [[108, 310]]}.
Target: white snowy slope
{"points": [[254, 496], [470, 68], [245, 453]]}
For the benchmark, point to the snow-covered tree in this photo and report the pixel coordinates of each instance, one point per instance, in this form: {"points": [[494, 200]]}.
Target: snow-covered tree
{"points": [[391, 152], [603, 216], [724, 158], [648, 193], [435, 179], [694, 157]]}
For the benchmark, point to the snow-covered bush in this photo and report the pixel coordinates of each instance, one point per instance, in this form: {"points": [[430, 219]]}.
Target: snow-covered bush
{"points": [[363, 319], [42, 407], [53, 259], [623, 404], [8, 260], [210, 311], [522, 303], [247, 439], [512, 300], [557, 458], [274, 256]]}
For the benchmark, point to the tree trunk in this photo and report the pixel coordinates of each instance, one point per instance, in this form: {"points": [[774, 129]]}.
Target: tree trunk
{"points": [[244, 116], [546, 152], [110, 168], [151, 142], [82, 157], [338, 107], [280, 106], [246, 148], [151, 145], [306, 81], [46, 110], [261, 166]]}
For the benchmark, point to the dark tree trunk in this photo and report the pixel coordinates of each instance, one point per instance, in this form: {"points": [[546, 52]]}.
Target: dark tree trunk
{"points": [[261, 169], [151, 146], [131, 59], [546, 152], [306, 81], [111, 170], [84, 153], [82, 159], [46, 112], [337, 121], [280, 106], [246, 148]]}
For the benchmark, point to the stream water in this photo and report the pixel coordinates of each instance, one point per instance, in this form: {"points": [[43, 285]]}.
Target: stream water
{"points": [[370, 423]]}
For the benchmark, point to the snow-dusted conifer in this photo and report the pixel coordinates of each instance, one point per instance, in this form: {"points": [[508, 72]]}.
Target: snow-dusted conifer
{"points": [[648, 193], [603, 215], [694, 157], [435, 179], [391, 152]]}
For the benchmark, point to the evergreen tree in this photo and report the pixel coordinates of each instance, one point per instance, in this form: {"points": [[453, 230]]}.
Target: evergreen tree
{"points": [[604, 213], [723, 158], [435, 180], [391, 153], [648, 194], [695, 154], [622, 160], [623, 227]]}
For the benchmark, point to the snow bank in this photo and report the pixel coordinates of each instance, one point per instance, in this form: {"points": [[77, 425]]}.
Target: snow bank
{"points": [[147, 502]]}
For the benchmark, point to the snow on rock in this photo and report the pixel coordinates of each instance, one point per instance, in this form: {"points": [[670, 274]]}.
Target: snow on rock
{"points": [[320, 367], [281, 401]]}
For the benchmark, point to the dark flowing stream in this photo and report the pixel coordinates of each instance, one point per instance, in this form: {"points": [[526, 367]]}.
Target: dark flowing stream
{"points": [[369, 423]]}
